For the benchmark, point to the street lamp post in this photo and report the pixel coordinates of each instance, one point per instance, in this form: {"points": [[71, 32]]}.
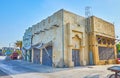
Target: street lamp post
{"points": [[12, 45]]}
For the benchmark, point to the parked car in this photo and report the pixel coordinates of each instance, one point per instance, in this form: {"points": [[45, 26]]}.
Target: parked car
{"points": [[14, 56], [118, 59]]}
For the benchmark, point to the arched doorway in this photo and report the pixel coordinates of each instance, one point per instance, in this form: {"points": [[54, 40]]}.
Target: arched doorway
{"points": [[76, 50]]}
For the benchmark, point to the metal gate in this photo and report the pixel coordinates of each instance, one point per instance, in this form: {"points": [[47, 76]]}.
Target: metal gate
{"points": [[47, 56], [36, 57], [75, 57]]}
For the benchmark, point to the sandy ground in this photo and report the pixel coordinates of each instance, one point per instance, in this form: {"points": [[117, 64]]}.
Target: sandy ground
{"points": [[21, 69]]}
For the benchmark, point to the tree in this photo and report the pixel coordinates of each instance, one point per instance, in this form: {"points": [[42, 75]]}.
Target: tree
{"points": [[19, 44], [118, 49]]}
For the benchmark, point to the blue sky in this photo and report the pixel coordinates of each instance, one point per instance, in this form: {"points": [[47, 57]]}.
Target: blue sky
{"points": [[18, 15]]}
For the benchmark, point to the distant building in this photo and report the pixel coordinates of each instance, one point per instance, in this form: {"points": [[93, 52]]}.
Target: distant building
{"points": [[64, 40], [7, 50], [1, 52]]}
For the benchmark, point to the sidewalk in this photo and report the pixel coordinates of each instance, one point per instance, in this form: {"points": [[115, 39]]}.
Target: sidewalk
{"points": [[4, 75], [40, 68], [41, 71], [99, 71]]}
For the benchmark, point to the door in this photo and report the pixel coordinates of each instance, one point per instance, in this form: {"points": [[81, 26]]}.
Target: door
{"points": [[47, 56], [75, 57], [30, 54], [36, 58], [25, 55]]}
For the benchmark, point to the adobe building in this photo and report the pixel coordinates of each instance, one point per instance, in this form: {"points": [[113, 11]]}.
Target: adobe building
{"points": [[64, 40], [102, 41]]}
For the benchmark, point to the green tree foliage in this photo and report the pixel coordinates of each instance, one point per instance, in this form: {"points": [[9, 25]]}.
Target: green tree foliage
{"points": [[118, 47]]}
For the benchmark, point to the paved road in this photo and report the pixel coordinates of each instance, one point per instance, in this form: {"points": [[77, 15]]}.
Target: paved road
{"points": [[21, 69], [15, 67], [4, 75]]}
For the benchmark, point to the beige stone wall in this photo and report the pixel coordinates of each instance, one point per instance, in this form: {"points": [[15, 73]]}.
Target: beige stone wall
{"points": [[75, 38], [67, 32], [105, 30], [51, 33], [68, 36], [73, 26], [103, 27]]}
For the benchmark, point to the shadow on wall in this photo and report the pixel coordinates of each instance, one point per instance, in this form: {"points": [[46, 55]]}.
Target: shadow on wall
{"points": [[92, 76]]}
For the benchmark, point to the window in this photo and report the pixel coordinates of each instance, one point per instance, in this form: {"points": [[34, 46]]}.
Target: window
{"points": [[104, 41], [99, 40], [106, 53], [112, 41], [108, 41]]}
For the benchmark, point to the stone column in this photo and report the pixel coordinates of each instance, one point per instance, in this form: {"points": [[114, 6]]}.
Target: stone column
{"points": [[84, 41], [70, 63], [40, 56], [32, 55], [95, 49], [82, 56]]}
